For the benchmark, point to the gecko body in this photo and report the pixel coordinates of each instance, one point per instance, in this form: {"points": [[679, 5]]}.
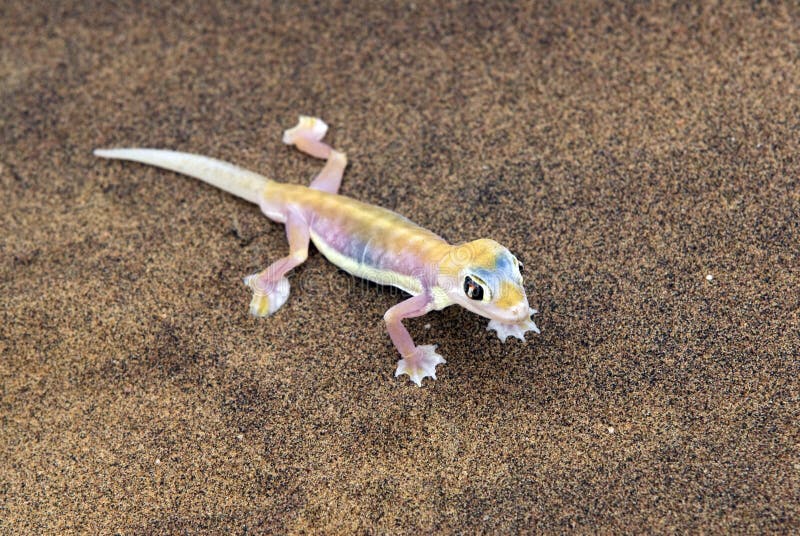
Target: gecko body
{"points": [[366, 241]]}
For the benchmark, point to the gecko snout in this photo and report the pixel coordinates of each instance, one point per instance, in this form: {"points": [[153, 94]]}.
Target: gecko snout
{"points": [[519, 311]]}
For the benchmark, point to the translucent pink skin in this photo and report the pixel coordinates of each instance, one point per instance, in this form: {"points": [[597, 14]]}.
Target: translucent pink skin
{"points": [[372, 236], [365, 240]]}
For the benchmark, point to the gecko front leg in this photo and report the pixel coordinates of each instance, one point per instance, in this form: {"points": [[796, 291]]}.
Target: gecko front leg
{"points": [[418, 362], [505, 330]]}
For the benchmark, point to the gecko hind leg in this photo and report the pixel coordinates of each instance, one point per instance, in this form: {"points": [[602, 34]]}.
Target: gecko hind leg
{"points": [[270, 286], [307, 137]]}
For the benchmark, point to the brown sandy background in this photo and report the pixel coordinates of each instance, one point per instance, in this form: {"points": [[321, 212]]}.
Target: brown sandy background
{"points": [[624, 153]]}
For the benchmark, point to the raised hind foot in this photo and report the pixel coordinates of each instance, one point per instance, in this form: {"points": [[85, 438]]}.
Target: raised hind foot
{"points": [[267, 297], [420, 364], [310, 128], [307, 137]]}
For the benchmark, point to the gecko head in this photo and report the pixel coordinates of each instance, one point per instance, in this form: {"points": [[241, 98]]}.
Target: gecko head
{"points": [[485, 278]]}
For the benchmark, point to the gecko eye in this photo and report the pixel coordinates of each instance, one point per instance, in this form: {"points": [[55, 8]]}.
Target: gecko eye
{"points": [[518, 264], [472, 289]]}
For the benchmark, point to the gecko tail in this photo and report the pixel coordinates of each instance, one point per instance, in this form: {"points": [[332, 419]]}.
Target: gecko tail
{"points": [[233, 179]]}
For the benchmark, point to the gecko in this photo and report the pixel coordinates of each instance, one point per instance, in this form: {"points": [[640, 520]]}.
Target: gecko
{"points": [[366, 241]]}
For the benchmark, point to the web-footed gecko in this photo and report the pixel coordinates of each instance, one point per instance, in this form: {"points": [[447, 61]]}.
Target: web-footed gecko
{"points": [[367, 241]]}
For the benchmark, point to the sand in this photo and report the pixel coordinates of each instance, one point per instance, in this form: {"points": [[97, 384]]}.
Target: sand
{"points": [[624, 153]]}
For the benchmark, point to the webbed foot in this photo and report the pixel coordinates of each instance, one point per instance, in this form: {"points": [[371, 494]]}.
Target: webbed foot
{"points": [[420, 364], [517, 330], [312, 128], [267, 298]]}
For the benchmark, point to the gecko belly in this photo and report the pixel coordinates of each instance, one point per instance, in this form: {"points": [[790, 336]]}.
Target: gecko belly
{"points": [[352, 266]]}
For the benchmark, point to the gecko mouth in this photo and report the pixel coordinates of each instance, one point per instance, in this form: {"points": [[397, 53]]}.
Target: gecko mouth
{"points": [[520, 313]]}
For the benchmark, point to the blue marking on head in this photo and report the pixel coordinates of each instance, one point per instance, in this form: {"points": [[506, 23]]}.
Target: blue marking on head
{"points": [[504, 269]]}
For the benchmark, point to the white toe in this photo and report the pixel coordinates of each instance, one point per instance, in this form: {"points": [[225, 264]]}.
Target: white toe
{"points": [[504, 331], [420, 365]]}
